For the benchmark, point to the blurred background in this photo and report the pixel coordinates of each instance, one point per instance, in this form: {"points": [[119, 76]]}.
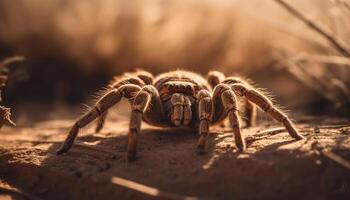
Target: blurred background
{"points": [[73, 48]]}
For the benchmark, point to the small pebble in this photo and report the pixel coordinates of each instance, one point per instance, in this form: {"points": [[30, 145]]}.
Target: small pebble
{"points": [[345, 130], [78, 174], [172, 161], [114, 157], [317, 130], [228, 147], [104, 167], [42, 190], [107, 165]]}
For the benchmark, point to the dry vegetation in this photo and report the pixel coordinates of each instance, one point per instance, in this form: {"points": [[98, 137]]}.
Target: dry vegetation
{"points": [[5, 113], [326, 74]]}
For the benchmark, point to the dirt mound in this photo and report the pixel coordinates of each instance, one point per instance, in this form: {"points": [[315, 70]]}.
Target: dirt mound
{"points": [[274, 167]]}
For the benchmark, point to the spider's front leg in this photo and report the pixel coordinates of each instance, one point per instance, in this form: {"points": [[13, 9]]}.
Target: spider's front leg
{"points": [[107, 101], [139, 106], [140, 78], [205, 110], [215, 78], [229, 101], [101, 122]]}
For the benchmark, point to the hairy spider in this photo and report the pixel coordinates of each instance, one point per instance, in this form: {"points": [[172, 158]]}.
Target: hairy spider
{"points": [[181, 98]]}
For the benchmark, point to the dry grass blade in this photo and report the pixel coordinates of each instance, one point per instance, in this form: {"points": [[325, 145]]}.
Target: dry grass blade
{"points": [[149, 190], [338, 45], [324, 59], [331, 88], [342, 3], [336, 158], [14, 191], [282, 27], [307, 79]]}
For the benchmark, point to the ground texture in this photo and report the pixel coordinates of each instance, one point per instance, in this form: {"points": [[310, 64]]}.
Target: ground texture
{"points": [[274, 167]]}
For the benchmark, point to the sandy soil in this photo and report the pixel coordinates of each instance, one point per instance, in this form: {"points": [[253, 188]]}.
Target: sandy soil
{"points": [[274, 166]]}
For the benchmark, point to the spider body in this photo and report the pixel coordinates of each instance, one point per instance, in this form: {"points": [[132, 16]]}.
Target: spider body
{"points": [[177, 91], [181, 98]]}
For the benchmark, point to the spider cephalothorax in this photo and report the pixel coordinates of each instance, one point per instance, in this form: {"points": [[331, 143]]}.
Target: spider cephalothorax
{"points": [[181, 98]]}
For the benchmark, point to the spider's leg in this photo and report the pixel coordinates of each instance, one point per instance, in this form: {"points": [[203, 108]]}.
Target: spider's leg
{"points": [[205, 108], [250, 108], [145, 76], [154, 114], [266, 105], [177, 102], [101, 122], [229, 101], [187, 111], [139, 78], [139, 106], [107, 101], [224, 94], [250, 113], [215, 78]]}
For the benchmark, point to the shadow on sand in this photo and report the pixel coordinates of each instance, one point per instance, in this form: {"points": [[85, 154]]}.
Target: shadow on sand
{"points": [[167, 160]]}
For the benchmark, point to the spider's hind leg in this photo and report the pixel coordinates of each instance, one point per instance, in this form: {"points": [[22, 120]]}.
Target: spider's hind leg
{"points": [[250, 113]]}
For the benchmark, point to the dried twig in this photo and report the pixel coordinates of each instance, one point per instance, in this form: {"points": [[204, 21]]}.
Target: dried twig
{"points": [[149, 190], [271, 131], [334, 126], [338, 45], [15, 191], [336, 158]]}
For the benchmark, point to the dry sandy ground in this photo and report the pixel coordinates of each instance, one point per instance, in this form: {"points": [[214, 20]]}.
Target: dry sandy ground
{"points": [[274, 166]]}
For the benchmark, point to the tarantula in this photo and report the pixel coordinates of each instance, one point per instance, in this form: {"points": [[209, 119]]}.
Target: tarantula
{"points": [[181, 98]]}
